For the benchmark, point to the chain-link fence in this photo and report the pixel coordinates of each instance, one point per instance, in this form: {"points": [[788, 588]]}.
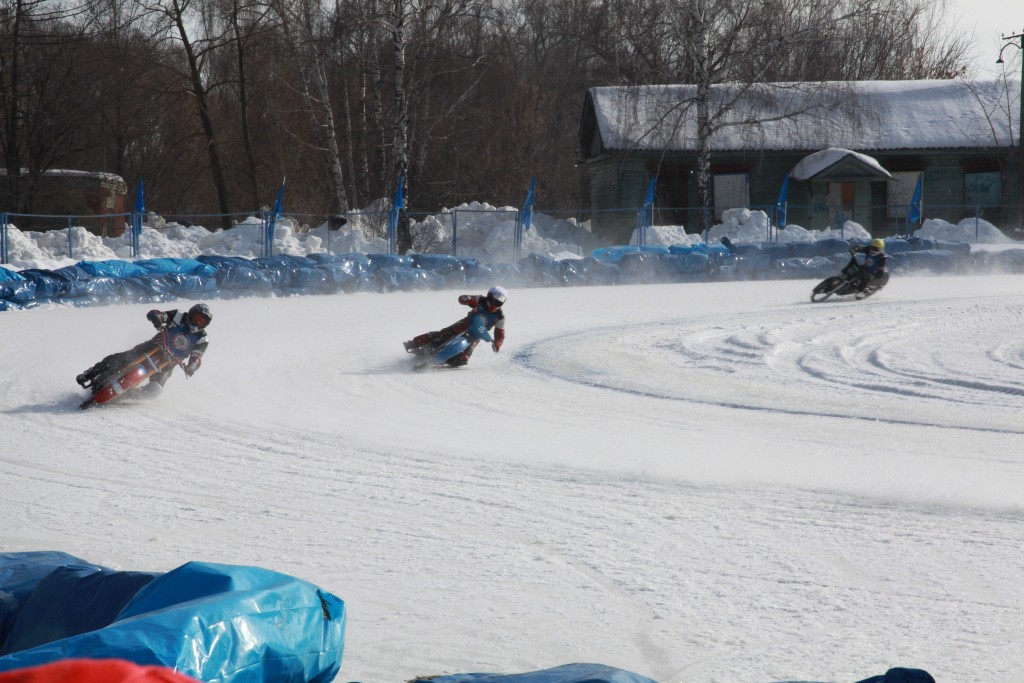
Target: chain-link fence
{"points": [[497, 235]]}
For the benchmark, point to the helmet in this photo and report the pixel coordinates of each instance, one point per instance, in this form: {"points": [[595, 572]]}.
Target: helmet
{"points": [[199, 316], [877, 244], [496, 296]]}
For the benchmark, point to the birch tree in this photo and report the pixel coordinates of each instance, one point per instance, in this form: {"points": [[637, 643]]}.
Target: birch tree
{"points": [[187, 61], [307, 25]]}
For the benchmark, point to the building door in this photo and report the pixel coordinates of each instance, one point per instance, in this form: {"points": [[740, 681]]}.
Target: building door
{"points": [[840, 203], [670, 188], [732, 191]]}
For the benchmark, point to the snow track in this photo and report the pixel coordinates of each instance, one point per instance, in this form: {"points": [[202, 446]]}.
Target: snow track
{"points": [[900, 362], [699, 483]]}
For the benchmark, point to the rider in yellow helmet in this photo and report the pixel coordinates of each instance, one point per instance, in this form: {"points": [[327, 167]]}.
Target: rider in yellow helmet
{"points": [[873, 269]]}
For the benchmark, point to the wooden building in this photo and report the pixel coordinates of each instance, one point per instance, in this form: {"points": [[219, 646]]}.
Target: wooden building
{"points": [[97, 200], [963, 138]]}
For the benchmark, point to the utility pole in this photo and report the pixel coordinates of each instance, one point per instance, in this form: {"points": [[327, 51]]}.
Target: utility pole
{"points": [[1012, 40]]}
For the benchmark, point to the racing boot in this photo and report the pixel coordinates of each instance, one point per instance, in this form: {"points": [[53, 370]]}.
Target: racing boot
{"points": [[421, 340], [94, 376], [87, 378]]}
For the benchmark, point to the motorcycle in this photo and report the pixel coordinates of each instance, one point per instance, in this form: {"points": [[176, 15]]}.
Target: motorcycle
{"points": [[437, 355], [850, 281], [154, 358]]}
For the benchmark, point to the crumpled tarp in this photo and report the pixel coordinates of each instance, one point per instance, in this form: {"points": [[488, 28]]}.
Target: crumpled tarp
{"points": [[227, 623], [599, 673], [159, 280], [567, 673]]}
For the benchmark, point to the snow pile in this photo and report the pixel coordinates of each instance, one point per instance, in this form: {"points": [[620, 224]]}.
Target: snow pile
{"points": [[744, 226], [487, 233], [973, 230], [475, 231]]}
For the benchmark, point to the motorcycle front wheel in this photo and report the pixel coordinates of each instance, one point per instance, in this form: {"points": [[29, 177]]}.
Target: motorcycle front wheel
{"points": [[826, 288]]}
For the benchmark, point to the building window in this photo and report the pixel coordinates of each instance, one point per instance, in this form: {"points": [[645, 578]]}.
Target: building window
{"points": [[983, 190], [732, 191], [900, 192]]}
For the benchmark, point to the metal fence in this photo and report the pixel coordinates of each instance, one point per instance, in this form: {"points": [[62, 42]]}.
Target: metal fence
{"points": [[447, 232]]}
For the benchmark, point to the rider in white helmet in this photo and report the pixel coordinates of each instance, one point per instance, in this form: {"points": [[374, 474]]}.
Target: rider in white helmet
{"points": [[489, 306]]}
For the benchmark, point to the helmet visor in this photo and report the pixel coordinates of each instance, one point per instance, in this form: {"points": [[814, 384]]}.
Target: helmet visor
{"points": [[198, 320]]}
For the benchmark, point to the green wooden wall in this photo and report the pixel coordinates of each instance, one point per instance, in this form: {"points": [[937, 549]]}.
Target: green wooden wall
{"points": [[619, 183]]}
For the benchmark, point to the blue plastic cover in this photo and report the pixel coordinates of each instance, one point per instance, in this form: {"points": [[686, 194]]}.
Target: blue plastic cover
{"points": [[902, 675], [7, 274], [20, 574], [183, 266], [614, 254], [71, 599], [163, 279], [112, 268], [567, 673], [213, 622]]}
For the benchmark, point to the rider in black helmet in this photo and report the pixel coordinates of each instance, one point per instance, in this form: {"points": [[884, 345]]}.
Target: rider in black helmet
{"points": [[182, 333]]}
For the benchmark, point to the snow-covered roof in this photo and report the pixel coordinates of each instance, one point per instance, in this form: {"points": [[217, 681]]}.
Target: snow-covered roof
{"points": [[109, 180], [813, 164], [860, 115]]}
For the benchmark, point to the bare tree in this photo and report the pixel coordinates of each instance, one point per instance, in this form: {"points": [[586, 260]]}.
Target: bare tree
{"points": [[306, 25], [44, 54], [175, 17], [246, 21]]}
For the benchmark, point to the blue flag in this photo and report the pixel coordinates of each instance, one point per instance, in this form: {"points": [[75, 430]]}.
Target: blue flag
{"points": [[781, 205], [393, 217], [140, 209], [528, 205], [279, 200], [140, 199], [399, 195], [914, 213], [269, 225], [648, 215], [646, 218]]}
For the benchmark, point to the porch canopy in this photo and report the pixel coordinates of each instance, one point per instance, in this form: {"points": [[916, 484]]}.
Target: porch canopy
{"points": [[836, 164]]}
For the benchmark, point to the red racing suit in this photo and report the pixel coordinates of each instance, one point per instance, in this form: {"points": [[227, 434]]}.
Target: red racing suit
{"points": [[494, 319]]}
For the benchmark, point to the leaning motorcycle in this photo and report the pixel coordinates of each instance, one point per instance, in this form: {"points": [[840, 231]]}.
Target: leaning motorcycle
{"points": [[850, 281], [437, 355], [155, 357]]}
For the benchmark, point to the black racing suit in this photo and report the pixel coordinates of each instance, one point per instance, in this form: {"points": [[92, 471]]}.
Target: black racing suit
{"points": [[873, 270], [184, 343]]}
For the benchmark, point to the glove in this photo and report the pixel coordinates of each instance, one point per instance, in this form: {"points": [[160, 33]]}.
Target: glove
{"points": [[157, 318], [499, 339], [193, 364]]}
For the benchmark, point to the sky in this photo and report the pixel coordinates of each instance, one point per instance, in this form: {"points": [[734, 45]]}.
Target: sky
{"points": [[709, 483], [988, 20]]}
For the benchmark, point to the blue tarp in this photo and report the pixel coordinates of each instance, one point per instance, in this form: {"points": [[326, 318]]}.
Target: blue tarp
{"points": [[8, 274], [599, 673], [206, 277], [567, 673], [213, 622]]}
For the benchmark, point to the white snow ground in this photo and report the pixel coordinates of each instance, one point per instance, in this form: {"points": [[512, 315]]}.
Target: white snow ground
{"points": [[696, 482]]}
